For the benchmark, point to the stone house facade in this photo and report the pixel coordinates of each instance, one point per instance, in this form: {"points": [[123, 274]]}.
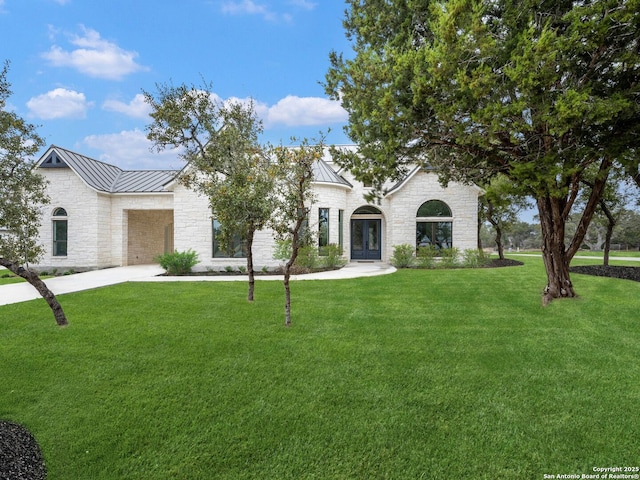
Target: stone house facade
{"points": [[102, 216]]}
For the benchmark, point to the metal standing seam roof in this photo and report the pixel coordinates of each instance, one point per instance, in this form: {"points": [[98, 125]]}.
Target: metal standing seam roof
{"points": [[109, 178], [323, 173]]}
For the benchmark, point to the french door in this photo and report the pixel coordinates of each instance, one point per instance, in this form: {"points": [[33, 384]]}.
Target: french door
{"points": [[365, 239]]}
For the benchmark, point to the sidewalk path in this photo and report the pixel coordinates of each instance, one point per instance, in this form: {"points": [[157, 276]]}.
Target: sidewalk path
{"points": [[22, 292]]}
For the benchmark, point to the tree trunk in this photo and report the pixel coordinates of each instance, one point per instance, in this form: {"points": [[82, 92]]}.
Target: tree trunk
{"points": [[554, 255], [479, 230], [287, 296], [496, 226], [610, 225], [499, 242], [252, 280], [33, 278]]}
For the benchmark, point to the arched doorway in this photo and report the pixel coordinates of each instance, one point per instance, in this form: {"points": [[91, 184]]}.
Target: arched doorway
{"points": [[366, 234]]}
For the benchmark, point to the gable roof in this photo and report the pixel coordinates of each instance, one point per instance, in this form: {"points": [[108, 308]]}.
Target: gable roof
{"points": [[104, 177]]}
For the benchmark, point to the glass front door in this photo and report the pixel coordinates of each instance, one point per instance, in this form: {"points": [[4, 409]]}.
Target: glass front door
{"points": [[365, 239]]}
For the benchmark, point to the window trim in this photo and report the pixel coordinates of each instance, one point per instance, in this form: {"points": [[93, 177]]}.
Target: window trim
{"points": [[324, 222], [434, 221], [239, 244], [59, 217]]}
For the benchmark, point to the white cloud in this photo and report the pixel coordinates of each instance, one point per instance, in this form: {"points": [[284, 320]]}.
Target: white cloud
{"points": [[305, 111], [136, 108], [95, 57], [62, 2], [59, 103], [294, 111], [249, 7], [130, 150], [305, 4]]}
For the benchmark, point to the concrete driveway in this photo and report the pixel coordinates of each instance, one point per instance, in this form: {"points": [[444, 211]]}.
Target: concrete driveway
{"points": [[22, 292]]}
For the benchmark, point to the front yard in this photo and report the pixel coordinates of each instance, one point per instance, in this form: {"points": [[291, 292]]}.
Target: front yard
{"points": [[435, 374]]}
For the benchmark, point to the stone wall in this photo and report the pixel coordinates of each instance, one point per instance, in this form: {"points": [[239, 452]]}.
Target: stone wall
{"points": [[147, 232]]}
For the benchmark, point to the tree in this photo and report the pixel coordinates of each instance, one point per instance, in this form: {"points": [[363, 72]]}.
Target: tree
{"points": [[22, 194], [537, 91], [226, 162], [500, 206], [610, 208], [295, 196]]}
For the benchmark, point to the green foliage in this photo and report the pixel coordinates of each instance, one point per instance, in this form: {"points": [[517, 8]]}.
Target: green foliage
{"points": [[403, 256], [426, 256], [538, 92], [282, 249], [228, 164], [449, 257], [178, 263], [331, 256], [474, 258], [308, 257], [22, 189]]}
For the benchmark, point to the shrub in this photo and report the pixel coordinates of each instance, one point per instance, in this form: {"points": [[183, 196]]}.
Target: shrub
{"points": [[178, 263], [426, 256], [474, 258], [307, 257], [282, 250], [449, 257], [402, 256], [331, 256]]}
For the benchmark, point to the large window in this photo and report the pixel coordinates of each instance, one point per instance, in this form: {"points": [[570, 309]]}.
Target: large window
{"points": [[323, 227], [341, 228], [60, 231], [237, 247], [434, 225]]}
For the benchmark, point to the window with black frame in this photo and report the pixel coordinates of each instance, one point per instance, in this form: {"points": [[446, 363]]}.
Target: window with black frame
{"points": [[60, 232], [237, 247], [434, 225]]}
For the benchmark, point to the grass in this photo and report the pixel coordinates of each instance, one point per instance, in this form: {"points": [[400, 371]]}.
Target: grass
{"points": [[422, 374]]}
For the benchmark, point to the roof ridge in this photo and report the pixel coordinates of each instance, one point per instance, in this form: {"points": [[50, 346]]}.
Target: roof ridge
{"points": [[112, 187]]}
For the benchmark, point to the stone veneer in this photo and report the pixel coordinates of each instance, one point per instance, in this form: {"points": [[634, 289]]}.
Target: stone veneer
{"points": [[124, 229]]}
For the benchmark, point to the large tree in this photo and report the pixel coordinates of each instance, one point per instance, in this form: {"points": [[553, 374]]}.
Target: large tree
{"points": [[22, 195], [537, 91], [226, 162]]}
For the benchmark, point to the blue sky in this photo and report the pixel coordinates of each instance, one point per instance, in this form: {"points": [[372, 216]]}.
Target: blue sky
{"points": [[78, 67]]}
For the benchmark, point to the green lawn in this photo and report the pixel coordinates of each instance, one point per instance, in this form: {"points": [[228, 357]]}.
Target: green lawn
{"points": [[421, 374]]}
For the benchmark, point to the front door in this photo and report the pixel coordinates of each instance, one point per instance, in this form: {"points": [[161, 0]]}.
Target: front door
{"points": [[365, 239]]}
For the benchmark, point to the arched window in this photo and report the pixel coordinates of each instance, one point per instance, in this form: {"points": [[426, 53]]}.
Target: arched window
{"points": [[434, 225], [60, 231], [434, 208], [367, 210]]}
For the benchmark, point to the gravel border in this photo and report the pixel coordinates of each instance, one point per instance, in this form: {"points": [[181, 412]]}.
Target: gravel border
{"points": [[20, 455]]}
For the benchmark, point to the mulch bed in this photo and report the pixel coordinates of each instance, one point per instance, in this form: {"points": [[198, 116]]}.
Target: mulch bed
{"points": [[505, 262], [20, 455], [626, 273]]}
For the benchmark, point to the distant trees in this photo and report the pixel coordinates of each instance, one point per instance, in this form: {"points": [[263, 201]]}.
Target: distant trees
{"points": [[22, 195], [500, 206]]}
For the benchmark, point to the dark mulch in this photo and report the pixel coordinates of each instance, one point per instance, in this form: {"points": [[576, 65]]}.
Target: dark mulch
{"points": [[505, 262], [20, 455], [626, 273]]}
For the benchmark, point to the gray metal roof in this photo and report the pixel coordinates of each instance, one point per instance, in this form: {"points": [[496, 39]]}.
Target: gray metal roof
{"points": [[104, 177], [323, 173]]}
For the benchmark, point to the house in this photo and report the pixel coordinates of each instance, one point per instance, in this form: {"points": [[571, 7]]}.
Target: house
{"points": [[102, 216]]}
